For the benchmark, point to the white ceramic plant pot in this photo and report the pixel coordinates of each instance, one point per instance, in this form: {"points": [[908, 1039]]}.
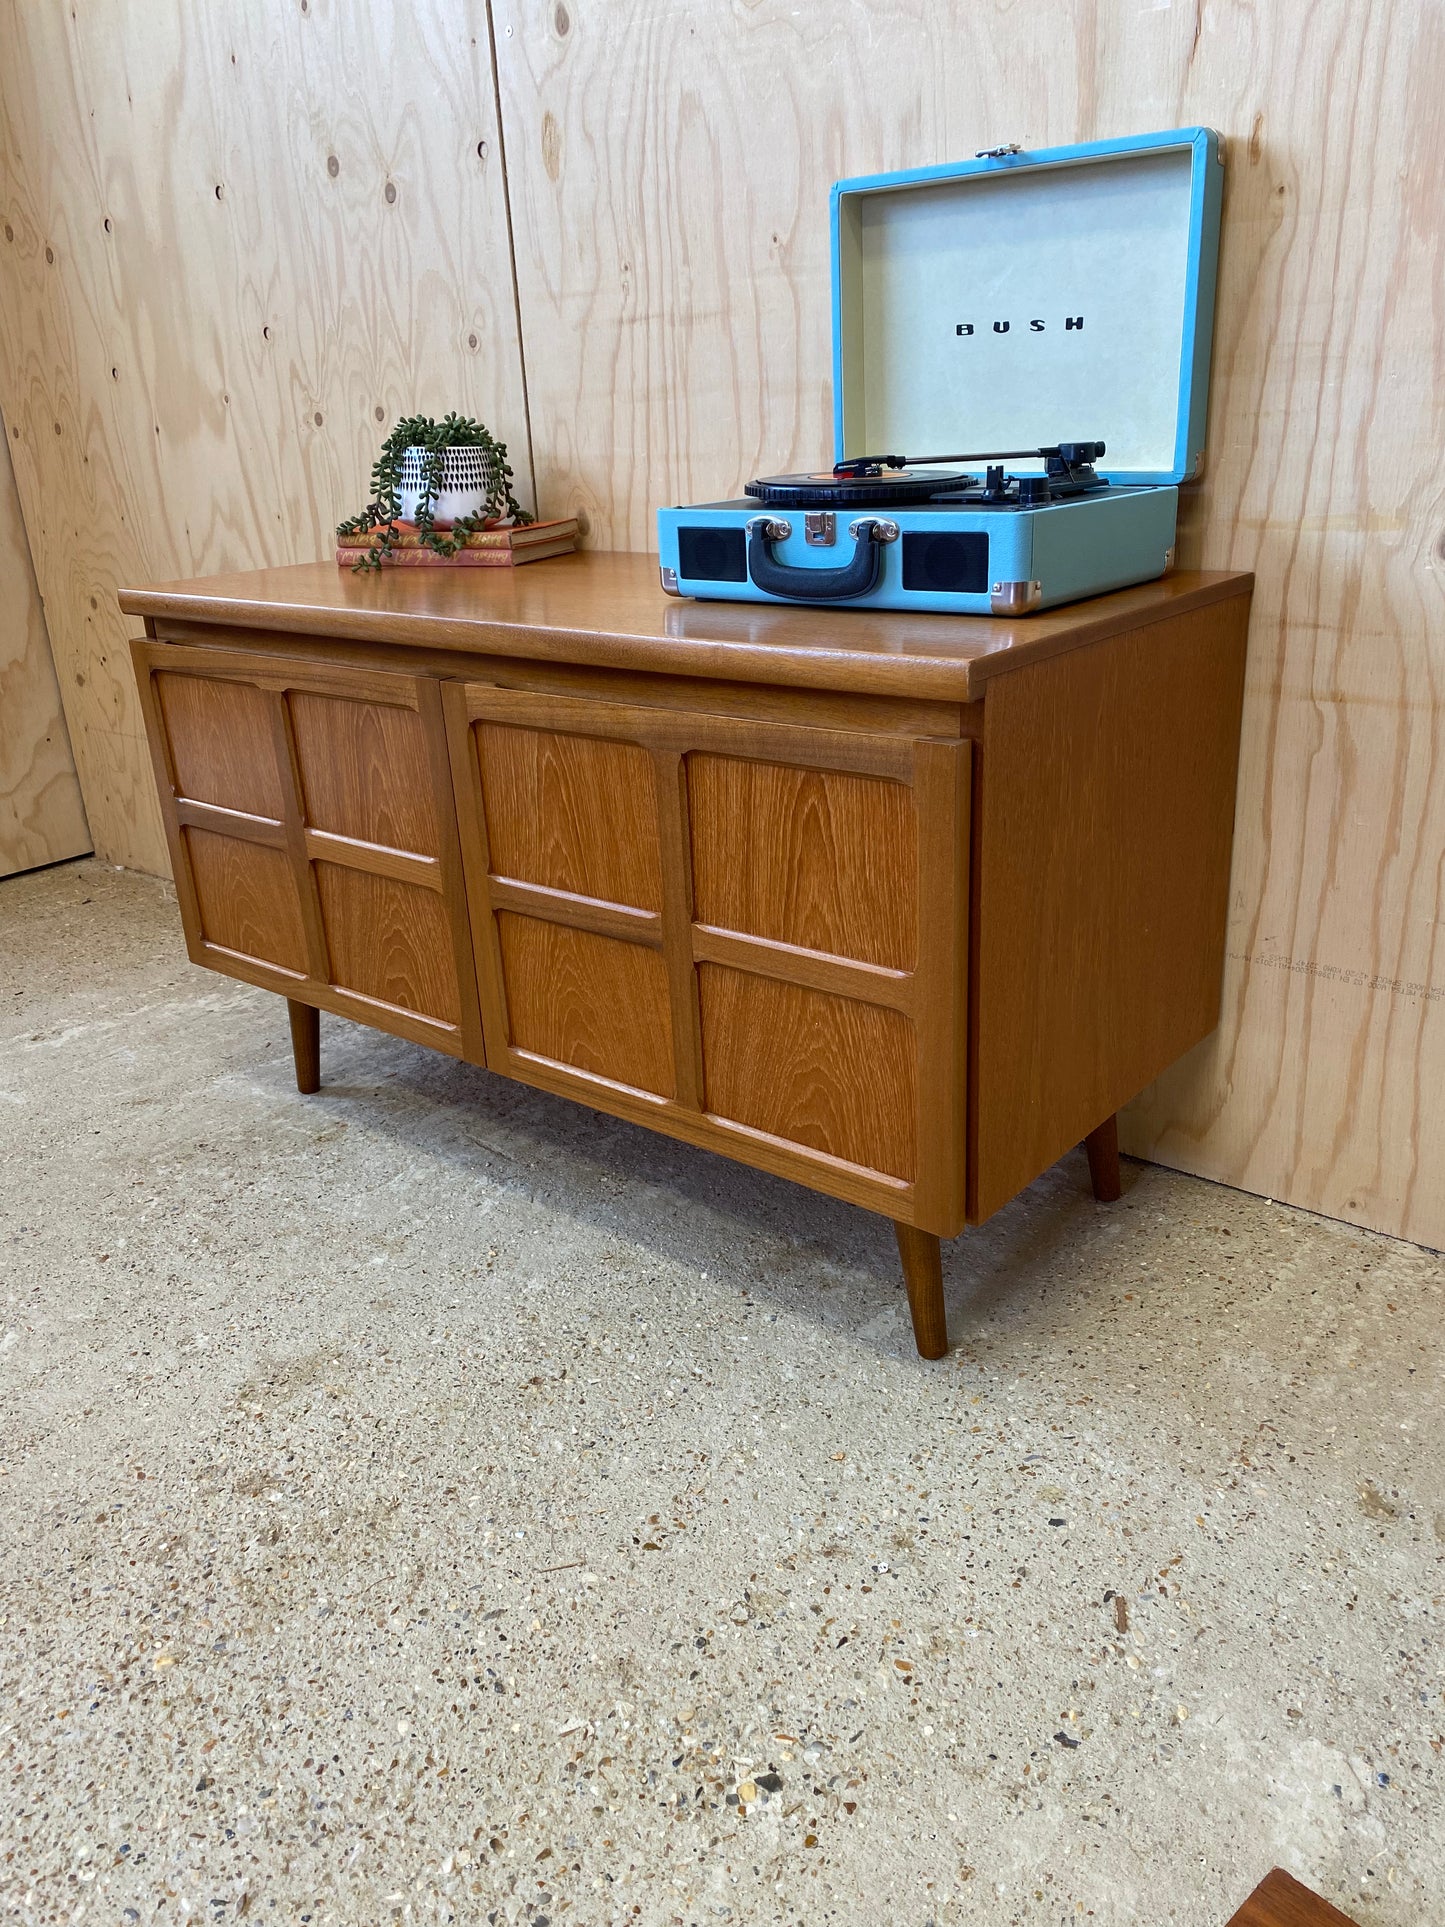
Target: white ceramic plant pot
{"points": [[463, 489]]}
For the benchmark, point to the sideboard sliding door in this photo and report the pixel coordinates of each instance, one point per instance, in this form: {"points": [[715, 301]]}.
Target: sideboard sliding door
{"points": [[748, 934], [312, 832]]}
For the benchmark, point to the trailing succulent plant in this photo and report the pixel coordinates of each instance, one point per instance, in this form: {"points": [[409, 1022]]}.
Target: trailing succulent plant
{"points": [[379, 518]]}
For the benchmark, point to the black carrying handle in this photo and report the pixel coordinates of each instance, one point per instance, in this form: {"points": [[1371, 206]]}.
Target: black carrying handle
{"points": [[816, 585]]}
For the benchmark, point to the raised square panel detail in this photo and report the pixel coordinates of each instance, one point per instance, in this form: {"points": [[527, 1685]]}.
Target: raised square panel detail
{"points": [[829, 1072], [819, 858], [592, 1002], [247, 898], [389, 941], [575, 813], [364, 771], [222, 747]]}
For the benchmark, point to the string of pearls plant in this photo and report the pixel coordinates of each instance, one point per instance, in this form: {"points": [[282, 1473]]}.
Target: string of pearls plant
{"points": [[448, 475]]}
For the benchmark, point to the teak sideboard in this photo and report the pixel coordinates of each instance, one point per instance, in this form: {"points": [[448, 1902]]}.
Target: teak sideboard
{"points": [[901, 907]]}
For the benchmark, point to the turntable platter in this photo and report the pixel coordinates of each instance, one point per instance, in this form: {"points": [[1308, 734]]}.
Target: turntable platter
{"points": [[890, 489]]}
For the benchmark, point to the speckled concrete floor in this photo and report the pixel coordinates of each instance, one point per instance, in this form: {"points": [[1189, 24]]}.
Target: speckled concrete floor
{"points": [[430, 1502]]}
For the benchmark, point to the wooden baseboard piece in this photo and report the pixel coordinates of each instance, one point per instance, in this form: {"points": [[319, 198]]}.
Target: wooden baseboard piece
{"points": [[1280, 1901]]}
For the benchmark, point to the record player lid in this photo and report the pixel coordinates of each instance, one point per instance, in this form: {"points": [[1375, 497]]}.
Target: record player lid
{"points": [[999, 302]]}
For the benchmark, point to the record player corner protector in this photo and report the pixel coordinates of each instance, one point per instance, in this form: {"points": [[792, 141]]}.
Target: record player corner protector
{"points": [[669, 579], [1015, 598]]}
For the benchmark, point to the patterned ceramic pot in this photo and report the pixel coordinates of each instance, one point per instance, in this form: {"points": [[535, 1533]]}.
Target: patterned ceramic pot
{"points": [[463, 489]]}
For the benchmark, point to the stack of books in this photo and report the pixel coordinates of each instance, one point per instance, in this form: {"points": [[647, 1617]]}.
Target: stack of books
{"points": [[502, 547]]}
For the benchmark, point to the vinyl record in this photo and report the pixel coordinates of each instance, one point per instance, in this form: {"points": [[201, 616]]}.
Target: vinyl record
{"points": [[891, 489]]}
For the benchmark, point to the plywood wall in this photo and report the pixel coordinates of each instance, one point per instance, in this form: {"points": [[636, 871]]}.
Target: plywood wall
{"points": [[42, 819], [668, 163], [234, 241]]}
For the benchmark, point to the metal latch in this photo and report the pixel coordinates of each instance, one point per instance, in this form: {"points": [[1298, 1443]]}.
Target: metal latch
{"points": [[998, 153], [820, 528]]}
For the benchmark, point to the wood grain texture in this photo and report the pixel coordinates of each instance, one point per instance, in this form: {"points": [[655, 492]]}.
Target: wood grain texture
{"points": [[364, 772], [380, 860], [799, 1059], [373, 932], [210, 816], [247, 899], [605, 611], [42, 819], [588, 1001], [943, 803], [831, 858], [234, 243], [825, 1071], [580, 913], [758, 702], [812, 708], [293, 828], [897, 989], [453, 877], [1103, 875], [663, 727], [686, 334], [388, 941], [383, 895], [220, 740], [575, 813], [679, 953], [1282, 1901]]}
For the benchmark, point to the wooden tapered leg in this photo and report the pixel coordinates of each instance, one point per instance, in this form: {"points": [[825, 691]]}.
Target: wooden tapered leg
{"points": [[1102, 1146], [305, 1045], [923, 1275]]}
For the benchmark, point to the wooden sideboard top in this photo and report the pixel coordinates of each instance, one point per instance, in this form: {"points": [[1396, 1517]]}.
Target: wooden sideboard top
{"points": [[608, 610]]}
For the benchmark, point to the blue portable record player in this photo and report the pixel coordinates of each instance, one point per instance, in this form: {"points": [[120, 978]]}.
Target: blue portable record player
{"points": [[1003, 307]]}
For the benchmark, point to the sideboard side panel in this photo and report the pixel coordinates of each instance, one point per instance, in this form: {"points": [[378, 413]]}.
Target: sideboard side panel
{"points": [[1108, 791]]}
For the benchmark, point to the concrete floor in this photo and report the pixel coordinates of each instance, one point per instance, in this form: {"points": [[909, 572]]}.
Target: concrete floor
{"points": [[428, 1501]]}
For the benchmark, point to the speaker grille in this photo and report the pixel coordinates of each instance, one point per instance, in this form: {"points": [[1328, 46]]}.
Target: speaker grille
{"points": [[712, 555], [952, 564]]}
